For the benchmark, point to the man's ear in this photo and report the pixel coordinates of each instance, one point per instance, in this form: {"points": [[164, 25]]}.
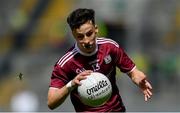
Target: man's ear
{"points": [[96, 29]]}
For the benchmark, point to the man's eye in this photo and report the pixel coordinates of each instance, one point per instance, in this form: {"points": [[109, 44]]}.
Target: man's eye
{"points": [[80, 37], [89, 33]]}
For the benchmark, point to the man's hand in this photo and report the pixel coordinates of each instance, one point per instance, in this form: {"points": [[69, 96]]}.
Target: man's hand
{"points": [[139, 78], [146, 89], [56, 96], [81, 76]]}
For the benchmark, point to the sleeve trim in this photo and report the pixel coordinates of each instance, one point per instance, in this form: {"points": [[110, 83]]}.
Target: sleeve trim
{"points": [[131, 70], [53, 87]]}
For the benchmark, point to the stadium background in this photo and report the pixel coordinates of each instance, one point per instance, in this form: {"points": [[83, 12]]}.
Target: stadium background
{"points": [[34, 34]]}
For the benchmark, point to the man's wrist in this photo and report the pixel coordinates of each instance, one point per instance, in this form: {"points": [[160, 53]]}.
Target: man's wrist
{"points": [[69, 85]]}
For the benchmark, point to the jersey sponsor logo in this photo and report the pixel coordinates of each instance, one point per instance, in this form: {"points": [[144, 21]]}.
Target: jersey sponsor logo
{"points": [[80, 70], [107, 59], [95, 67]]}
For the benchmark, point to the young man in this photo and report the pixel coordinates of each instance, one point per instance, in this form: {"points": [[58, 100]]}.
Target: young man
{"points": [[91, 53]]}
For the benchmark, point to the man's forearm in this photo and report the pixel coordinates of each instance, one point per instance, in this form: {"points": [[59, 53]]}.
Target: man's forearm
{"points": [[57, 96]]}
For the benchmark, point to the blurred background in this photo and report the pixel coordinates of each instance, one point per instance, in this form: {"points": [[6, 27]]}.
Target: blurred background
{"points": [[34, 35]]}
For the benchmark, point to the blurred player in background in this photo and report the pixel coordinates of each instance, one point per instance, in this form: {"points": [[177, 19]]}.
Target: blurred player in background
{"points": [[91, 53]]}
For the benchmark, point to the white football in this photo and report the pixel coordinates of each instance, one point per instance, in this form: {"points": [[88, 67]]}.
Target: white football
{"points": [[95, 90]]}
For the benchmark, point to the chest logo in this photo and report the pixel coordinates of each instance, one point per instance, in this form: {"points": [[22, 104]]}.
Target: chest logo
{"points": [[107, 59]]}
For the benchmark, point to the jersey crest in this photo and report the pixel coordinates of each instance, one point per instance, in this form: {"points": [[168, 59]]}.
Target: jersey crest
{"points": [[107, 59]]}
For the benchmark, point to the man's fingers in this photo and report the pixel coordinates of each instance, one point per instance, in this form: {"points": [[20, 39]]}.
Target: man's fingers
{"points": [[77, 82], [149, 92], [85, 73], [145, 98], [82, 76], [148, 88], [148, 85]]}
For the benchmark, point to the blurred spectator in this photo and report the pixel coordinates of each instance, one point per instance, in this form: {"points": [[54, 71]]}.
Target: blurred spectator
{"points": [[25, 101]]}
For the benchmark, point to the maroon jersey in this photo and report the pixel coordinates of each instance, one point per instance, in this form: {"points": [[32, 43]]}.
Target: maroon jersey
{"points": [[107, 56]]}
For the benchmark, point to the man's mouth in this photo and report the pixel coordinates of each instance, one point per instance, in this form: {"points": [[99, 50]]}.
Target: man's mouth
{"points": [[87, 46]]}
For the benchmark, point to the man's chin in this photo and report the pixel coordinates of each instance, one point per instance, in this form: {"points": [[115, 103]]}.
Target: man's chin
{"points": [[89, 51]]}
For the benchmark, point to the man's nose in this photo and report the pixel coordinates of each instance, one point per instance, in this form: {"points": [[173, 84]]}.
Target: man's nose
{"points": [[87, 40]]}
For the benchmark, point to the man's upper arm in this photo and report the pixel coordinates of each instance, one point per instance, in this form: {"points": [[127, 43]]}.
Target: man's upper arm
{"points": [[124, 62], [58, 77]]}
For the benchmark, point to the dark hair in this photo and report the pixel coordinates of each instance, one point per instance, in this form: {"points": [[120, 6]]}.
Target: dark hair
{"points": [[79, 17]]}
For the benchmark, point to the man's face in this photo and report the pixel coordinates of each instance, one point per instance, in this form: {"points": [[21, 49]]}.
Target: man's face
{"points": [[85, 37]]}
